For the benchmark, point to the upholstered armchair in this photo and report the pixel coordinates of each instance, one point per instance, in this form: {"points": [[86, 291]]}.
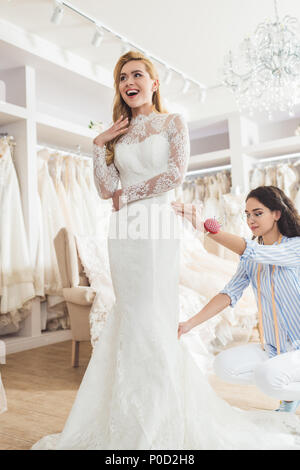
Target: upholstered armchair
{"points": [[77, 292]]}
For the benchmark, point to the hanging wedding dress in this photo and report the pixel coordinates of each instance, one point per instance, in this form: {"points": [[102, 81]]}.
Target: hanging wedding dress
{"points": [[257, 178], [16, 272], [200, 190], [296, 166], [93, 208], [209, 190], [93, 255], [39, 275], [55, 165], [53, 221], [234, 219], [211, 208], [297, 200], [3, 400], [225, 182], [75, 198], [101, 207], [188, 193], [287, 179], [143, 389], [270, 175], [86, 197]]}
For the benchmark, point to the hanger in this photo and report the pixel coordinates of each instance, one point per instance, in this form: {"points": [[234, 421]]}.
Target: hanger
{"points": [[9, 140]]}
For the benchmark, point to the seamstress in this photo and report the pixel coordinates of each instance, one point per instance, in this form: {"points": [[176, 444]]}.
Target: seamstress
{"points": [[271, 263]]}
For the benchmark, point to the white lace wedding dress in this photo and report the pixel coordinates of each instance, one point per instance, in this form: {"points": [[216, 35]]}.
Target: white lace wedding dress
{"points": [[16, 271], [143, 388]]}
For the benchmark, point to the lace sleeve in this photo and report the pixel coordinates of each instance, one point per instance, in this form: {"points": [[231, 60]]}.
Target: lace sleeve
{"points": [[177, 164], [106, 177]]}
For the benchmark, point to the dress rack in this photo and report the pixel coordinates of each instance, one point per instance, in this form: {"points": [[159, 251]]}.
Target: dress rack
{"points": [[207, 171], [53, 148], [279, 159]]}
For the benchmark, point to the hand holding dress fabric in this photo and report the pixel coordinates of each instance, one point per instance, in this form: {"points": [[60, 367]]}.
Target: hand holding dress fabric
{"points": [[183, 328], [190, 212]]}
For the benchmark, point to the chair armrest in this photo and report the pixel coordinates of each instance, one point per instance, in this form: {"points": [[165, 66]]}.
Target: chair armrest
{"points": [[81, 295]]}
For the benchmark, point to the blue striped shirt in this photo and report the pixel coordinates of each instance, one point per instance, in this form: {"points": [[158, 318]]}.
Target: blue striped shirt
{"points": [[286, 258]]}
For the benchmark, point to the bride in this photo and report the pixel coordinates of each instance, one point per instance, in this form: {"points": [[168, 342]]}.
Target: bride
{"points": [[142, 388]]}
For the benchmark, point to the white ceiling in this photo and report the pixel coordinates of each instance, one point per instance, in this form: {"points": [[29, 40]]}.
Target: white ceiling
{"points": [[191, 35]]}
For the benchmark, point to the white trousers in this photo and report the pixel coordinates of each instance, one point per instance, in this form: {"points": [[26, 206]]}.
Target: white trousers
{"points": [[278, 377]]}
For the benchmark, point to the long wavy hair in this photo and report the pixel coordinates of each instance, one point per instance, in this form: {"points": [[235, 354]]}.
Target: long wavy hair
{"points": [[119, 106], [276, 200]]}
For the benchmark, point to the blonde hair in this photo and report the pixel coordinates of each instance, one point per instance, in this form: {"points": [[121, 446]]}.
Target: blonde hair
{"points": [[120, 107]]}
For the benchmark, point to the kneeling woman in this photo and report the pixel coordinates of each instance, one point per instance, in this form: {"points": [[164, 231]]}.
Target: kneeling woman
{"points": [[272, 266]]}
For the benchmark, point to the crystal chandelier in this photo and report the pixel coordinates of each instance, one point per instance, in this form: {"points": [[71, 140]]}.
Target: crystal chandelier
{"points": [[266, 74]]}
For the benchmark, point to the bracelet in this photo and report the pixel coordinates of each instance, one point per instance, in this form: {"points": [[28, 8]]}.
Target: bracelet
{"points": [[212, 226]]}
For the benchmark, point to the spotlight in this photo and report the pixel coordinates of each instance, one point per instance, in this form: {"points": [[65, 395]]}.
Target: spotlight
{"points": [[186, 86], [57, 13], [202, 94], [168, 76], [98, 37], [125, 48]]}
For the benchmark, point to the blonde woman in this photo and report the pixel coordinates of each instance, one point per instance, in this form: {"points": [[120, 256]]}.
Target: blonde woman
{"points": [[142, 389]]}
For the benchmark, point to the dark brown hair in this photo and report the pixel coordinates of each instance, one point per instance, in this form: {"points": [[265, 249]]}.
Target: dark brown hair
{"points": [[276, 200]]}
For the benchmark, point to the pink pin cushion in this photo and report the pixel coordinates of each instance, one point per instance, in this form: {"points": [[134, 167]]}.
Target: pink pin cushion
{"points": [[212, 226]]}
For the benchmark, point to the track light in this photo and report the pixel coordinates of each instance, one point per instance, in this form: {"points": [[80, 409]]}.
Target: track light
{"points": [[98, 37], [168, 76], [202, 94], [186, 86], [126, 45], [57, 13], [125, 48]]}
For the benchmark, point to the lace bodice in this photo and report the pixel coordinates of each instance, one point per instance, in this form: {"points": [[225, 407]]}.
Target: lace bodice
{"points": [[151, 158]]}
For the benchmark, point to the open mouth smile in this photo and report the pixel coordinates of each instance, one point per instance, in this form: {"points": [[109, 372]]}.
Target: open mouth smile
{"points": [[132, 92]]}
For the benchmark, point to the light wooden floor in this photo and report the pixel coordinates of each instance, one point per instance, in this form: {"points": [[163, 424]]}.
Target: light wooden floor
{"points": [[41, 386]]}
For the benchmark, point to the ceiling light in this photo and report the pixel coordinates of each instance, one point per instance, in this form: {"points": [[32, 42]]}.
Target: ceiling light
{"points": [[186, 86], [125, 48], [168, 76], [265, 74], [57, 13], [202, 95], [98, 37], [61, 5]]}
